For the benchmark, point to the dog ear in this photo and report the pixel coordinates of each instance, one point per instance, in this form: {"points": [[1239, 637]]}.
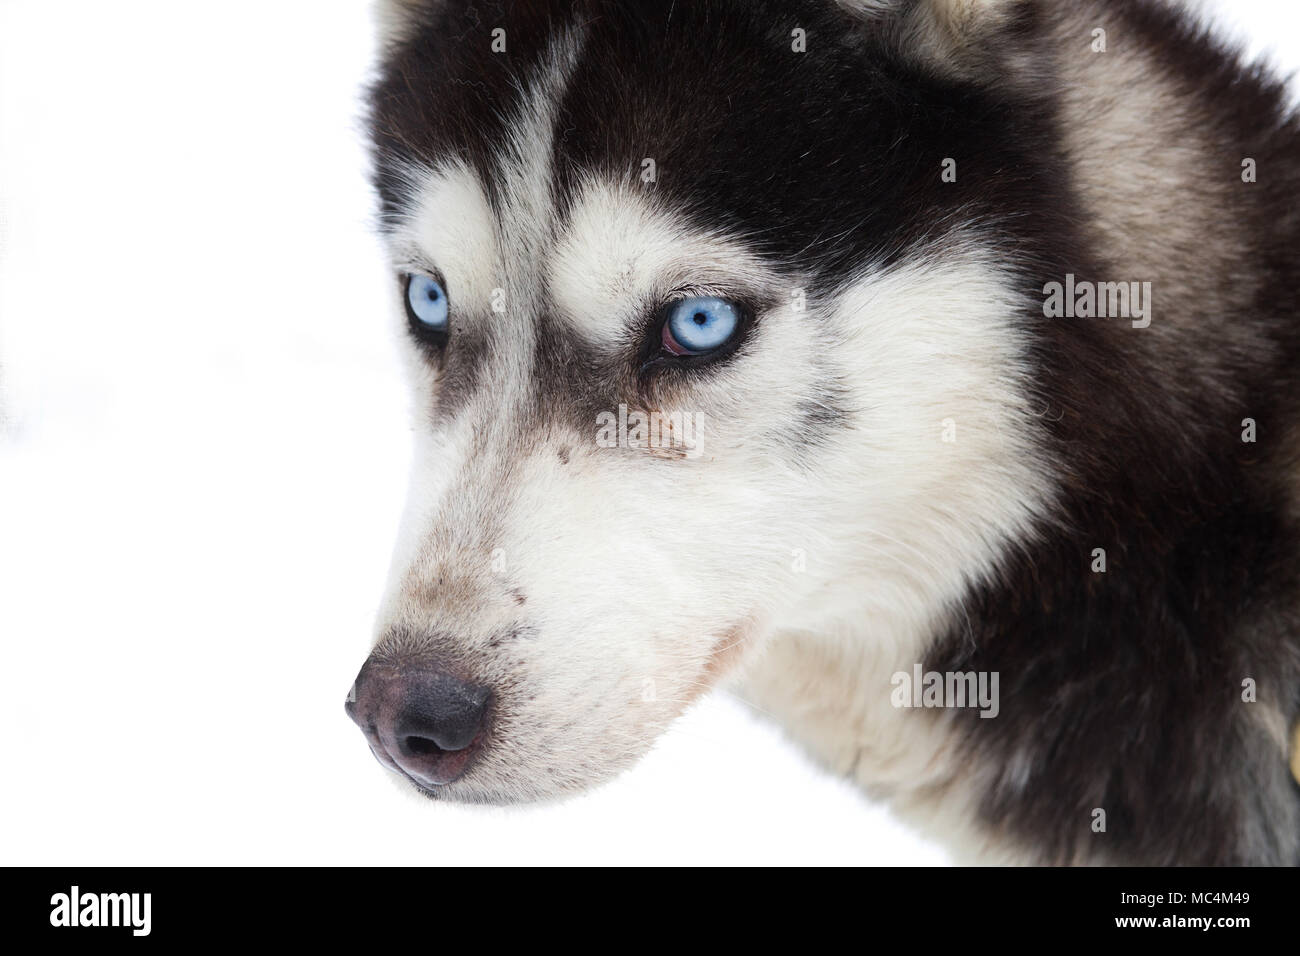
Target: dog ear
{"points": [[966, 39], [396, 20]]}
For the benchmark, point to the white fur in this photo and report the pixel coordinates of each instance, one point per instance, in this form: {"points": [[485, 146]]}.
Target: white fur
{"points": [[916, 520], [621, 252]]}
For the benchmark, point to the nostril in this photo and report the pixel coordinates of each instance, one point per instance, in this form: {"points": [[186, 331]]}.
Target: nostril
{"points": [[421, 746]]}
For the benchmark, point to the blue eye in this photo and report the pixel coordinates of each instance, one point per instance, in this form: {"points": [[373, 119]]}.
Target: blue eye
{"points": [[700, 324], [426, 302]]}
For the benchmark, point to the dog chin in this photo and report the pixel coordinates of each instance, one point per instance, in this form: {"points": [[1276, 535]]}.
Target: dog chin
{"points": [[532, 788]]}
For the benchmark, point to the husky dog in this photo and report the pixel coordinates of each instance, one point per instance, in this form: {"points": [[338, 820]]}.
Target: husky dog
{"points": [[983, 320]]}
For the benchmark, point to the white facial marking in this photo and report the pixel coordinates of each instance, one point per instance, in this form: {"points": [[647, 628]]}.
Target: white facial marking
{"points": [[621, 253]]}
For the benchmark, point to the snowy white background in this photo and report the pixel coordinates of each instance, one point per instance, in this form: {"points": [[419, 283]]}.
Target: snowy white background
{"points": [[203, 453]]}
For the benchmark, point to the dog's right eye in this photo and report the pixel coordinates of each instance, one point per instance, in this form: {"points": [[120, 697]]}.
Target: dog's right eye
{"points": [[427, 308]]}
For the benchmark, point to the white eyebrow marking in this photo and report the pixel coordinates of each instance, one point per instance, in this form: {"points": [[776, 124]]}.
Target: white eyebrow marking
{"points": [[621, 253]]}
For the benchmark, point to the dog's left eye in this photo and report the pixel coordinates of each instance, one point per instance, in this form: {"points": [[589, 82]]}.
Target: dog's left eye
{"points": [[700, 325]]}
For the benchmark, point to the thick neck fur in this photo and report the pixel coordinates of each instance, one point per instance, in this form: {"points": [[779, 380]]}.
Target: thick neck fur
{"points": [[1122, 690]]}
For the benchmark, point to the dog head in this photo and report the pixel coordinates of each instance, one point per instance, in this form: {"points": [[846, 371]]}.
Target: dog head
{"points": [[703, 345]]}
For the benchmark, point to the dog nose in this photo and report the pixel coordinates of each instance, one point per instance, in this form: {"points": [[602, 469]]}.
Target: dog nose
{"points": [[419, 720]]}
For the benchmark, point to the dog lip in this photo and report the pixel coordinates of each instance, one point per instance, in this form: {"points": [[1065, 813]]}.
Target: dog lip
{"points": [[385, 761]]}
